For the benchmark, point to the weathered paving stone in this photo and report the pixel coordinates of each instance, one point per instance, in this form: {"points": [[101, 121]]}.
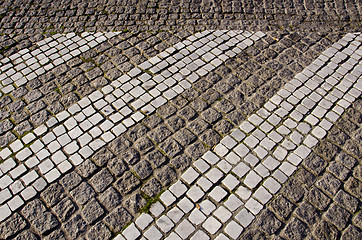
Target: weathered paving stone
{"points": [[33, 209], [143, 169], [99, 231], [293, 191], [64, 209], [325, 230], [338, 216], [91, 211], [282, 207], [26, 235], [296, 229], [87, 168], [130, 156], [117, 218], [116, 166], [329, 184], [53, 194], [307, 213], [152, 187], [45, 222], [347, 201], [127, 183], [315, 163], [110, 198], [82, 193], [134, 203], [268, 222], [75, 226], [103, 156], [101, 180], [171, 147], [70, 181], [13, 225], [351, 232]]}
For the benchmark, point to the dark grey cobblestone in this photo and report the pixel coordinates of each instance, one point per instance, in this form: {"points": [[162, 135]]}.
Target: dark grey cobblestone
{"points": [[12, 226]]}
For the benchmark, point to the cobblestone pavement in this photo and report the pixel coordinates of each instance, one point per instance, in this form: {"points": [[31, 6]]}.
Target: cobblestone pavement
{"points": [[180, 120]]}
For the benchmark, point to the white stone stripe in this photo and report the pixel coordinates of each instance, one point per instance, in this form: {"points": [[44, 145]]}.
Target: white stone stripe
{"points": [[21, 67], [96, 120], [267, 148]]}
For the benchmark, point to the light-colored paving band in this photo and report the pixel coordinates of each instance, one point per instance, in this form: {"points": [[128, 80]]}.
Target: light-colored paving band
{"points": [[225, 190], [66, 140], [26, 65]]}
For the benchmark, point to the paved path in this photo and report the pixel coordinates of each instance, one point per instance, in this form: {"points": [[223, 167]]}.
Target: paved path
{"points": [[181, 120]]}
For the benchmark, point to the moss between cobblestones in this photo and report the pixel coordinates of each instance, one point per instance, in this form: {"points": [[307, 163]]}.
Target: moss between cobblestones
{"points": [[145, 209], [150, 201], [2, 50], [124, 228]]}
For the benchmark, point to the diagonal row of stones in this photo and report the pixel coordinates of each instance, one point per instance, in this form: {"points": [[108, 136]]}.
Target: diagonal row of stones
{"points": [[322, 199], [91, 136], [32, 104], [211, 195], [190, 125]]}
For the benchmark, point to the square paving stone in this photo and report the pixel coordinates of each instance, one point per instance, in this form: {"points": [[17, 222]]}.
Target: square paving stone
{"points": [[75, 226], [118, 218], [45, 222], [214, 175], [244, 217], [82, 193], [233, 203], [197, 217], [99, 232], [218, 193], [53, 194], [127, 183], [153, 233], [233, 230], [64, 209], [92, 211], [101, 180], [296, 229], [184, 229], [33, 209], [195, 193], [165, 223], [212, 225], [338, 216], [144, 220], [222, 214]]}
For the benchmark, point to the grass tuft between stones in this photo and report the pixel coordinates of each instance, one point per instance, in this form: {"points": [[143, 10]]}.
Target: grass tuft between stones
{"points": [[150, 201]]}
